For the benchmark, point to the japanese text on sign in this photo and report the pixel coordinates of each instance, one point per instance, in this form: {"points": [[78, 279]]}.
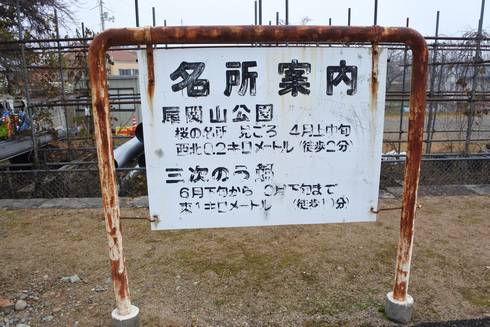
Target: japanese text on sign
{"points": [[262, 136]]}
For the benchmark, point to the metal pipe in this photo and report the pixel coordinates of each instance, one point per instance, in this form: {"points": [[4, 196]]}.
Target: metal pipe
{"points": [[375, 12], [348, 17], [277, 17], [127, 152], [16, 147], [251, 34], [255, 12], [153, 16]]}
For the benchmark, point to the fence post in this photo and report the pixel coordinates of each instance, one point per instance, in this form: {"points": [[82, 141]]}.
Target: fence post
{"points": [[87, 82], [436, 109], [260, 12], [402, 103], [136, 13], [476, 65], [286, 14], [27, 91], [62, 82], [431, 88]]}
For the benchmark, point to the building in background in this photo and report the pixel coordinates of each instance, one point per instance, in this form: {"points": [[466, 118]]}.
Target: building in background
{"points": [[123, 63]]}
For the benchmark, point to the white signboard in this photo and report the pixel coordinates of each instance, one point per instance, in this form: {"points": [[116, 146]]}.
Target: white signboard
{"points": [[262, 136]]}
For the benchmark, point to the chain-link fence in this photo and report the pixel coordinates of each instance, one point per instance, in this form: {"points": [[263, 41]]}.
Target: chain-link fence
{"points": [[71, 181], [81, 183], [56, 156]]}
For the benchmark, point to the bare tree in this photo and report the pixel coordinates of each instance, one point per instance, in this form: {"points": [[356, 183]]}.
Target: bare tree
{"points": [[37, 19]]}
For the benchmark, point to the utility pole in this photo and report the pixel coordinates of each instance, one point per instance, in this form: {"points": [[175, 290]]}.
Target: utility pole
{"points": [[103, 16], [101, 13]]}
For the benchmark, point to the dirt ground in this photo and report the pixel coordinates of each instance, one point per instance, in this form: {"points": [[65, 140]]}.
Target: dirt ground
{"points": [[317, 275]]}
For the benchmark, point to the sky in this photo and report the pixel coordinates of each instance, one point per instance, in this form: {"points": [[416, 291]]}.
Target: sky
{"points": [[456, 16]]}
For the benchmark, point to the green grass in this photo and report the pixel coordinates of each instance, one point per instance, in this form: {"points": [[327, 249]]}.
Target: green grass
{"points": [[476, 296]]}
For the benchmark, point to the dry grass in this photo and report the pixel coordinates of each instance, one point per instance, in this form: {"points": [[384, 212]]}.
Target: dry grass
{"points": [[323, 275]]}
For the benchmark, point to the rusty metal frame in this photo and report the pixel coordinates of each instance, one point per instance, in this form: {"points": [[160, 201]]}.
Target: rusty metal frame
{"points": [[252, 34]]}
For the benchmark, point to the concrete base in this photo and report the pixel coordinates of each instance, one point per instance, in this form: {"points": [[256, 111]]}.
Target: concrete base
{"points": [[398, 311], [130, 320]]}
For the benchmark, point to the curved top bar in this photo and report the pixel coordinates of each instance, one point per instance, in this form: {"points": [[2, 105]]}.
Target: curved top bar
{"points": [[264, 34]]}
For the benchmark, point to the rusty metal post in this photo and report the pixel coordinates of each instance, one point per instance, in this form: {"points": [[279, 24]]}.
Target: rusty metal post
{"points": [[399, 304], [248, 35], [125, 314]]}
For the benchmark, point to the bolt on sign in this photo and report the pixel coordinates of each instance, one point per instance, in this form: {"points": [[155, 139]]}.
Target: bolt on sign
{"points": [[263, 136]]}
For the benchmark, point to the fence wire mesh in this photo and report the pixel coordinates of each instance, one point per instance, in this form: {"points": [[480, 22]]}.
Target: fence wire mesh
{"points": [[59, 159]]}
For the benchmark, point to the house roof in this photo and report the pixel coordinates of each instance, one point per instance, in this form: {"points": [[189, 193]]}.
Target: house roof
{"points": [[123, 55]]}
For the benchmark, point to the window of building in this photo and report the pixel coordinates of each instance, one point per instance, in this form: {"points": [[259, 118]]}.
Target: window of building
{"points": [[128, 72]]}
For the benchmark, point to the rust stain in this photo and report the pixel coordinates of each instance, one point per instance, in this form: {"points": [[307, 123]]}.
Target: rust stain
{"points": [[374, 75], [151, 75], [105, 156], [120, 284], [254, 34], [374, 87], [413, 161]]}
